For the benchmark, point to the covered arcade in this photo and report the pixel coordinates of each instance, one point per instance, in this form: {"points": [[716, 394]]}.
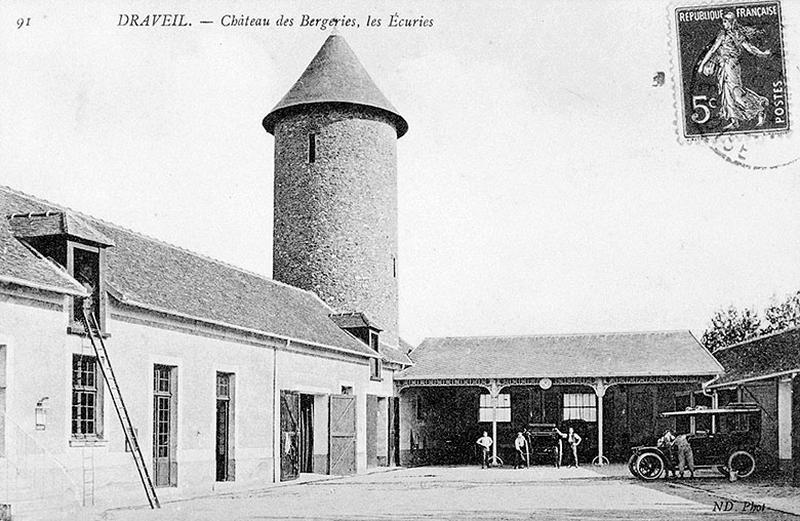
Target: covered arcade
{"points": [[609, 387]]}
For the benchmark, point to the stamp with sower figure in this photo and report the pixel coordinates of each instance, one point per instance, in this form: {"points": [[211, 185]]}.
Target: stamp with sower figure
{"points": [[732, 71]]}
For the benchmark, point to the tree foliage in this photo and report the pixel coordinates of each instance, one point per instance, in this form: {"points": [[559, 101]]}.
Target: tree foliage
{"points": [[782, 315], [731, 326]]}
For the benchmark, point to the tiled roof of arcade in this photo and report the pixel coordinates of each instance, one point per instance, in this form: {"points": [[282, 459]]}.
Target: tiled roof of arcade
{"points": [[766, 356], [657, 353]]}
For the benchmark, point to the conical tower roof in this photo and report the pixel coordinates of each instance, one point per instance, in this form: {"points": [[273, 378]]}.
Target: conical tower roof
{"points": [[335, 75]]}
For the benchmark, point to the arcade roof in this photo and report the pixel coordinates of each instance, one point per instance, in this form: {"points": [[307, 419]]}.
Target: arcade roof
{"points": [[760, 358], [657, 353]]}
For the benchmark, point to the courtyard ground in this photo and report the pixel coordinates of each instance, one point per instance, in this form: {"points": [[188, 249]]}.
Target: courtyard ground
{"points": [[775, 492], [460, 493]]}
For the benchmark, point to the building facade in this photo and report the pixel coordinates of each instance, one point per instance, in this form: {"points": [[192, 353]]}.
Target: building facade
{"points": [[611, 388], [230, 379]]}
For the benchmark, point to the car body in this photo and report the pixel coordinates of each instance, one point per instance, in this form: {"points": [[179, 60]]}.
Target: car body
{"points": [[543, 442], [727, 441]]}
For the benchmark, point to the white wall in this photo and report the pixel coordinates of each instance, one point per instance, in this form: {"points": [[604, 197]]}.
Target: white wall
{"points": [[785, 419], [39, 358]]}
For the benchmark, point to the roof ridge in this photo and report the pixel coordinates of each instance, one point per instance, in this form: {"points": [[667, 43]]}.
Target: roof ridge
{"points": [[544, 335], [756, 338], [164, 243]]}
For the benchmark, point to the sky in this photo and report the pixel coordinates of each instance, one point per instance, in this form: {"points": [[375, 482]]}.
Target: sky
{"points": [[542, 184]]}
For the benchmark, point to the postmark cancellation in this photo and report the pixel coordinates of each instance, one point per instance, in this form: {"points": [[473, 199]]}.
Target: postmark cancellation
{"points": [[731, 75]]}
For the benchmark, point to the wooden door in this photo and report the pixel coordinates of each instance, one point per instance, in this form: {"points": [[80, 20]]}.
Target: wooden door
{"points": [[290, 432], [306, 433], [394, 432], [342, 434], [372, 431]]}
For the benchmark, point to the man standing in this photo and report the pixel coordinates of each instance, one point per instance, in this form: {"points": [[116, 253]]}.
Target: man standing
{"points": [[666, 444], [485, 442], [685, 455], [521, 446], [558, 445], [574, 440]]}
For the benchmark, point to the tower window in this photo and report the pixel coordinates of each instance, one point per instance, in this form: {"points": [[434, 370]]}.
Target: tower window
{"points": [[312, 147]]}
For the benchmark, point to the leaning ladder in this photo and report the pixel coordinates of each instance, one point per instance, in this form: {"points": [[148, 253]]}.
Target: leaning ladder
{"points": [[93, 331]]}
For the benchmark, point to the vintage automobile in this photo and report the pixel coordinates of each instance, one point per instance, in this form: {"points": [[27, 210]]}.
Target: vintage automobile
{"points": [[724, 439], [543, 442]]}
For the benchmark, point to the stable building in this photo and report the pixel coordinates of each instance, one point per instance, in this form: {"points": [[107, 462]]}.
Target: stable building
{"points": [[764, 371], [610, 387], [200, 376]]}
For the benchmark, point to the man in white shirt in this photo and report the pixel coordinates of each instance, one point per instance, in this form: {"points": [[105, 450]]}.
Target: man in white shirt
{"points": [[574, 440], [521, 446], [485, 442]]}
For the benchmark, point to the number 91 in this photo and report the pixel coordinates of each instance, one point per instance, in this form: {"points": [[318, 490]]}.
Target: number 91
{"points": [[23, 22]]}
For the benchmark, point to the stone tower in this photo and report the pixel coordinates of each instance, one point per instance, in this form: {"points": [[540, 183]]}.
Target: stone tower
{"points": [[336, 187]]}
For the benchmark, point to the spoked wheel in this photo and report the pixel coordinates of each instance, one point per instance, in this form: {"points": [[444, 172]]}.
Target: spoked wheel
{"points": [[632, 464], [649, 466], [495, 461], [742, 462]]}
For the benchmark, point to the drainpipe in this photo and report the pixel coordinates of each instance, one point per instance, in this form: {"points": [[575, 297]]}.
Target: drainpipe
{"points": [[276, 430], [714, 401]]}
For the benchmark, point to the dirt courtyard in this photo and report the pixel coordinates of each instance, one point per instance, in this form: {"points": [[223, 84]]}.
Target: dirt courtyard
{"points": [[457, 493]]}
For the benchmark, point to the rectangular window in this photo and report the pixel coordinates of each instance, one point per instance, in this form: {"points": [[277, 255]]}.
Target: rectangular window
{"points": [[419, 407], [86, 397], [375, 364], [580, 406], [164, 426], [486, 409], [225, 426], [312, 148]]}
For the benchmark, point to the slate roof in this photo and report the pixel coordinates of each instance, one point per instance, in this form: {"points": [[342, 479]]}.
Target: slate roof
{"points": [[44, 224], [760, 357], [658, 353], [20, 264], [394, 354], [353, 319], [335, 75], [148, 273]]}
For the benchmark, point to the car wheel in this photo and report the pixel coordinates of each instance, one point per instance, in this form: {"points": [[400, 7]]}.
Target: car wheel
{"points": [[632, 464], [742, 462], [649, 466]]}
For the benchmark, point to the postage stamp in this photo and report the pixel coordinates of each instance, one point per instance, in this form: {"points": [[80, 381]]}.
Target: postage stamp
{"points": [[731, 69]]}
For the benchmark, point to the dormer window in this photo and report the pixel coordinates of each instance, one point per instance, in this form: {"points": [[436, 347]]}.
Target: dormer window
{"points": [[85, 268], [358, 325], [375, 364], [75, 246]]}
